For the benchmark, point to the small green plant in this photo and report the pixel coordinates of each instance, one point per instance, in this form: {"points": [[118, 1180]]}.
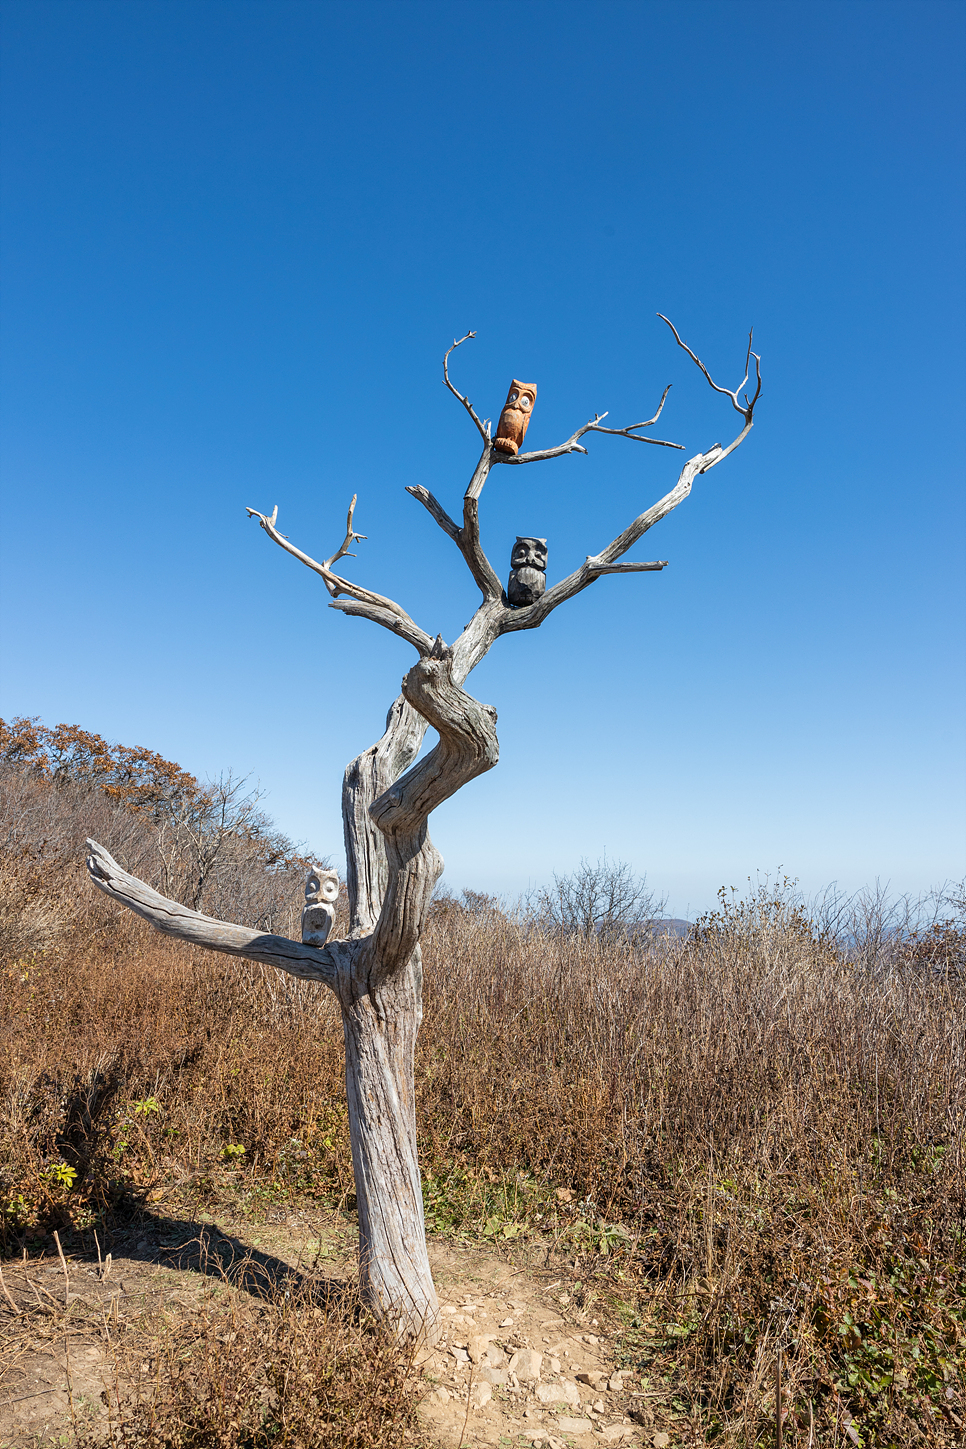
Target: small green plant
{"points": [[598, 1236], [18, 1211], [58, 1174], [232, 1151]]}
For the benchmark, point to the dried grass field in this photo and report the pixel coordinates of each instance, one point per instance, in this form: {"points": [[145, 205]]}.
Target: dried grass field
{"points": [[741, 1150]]}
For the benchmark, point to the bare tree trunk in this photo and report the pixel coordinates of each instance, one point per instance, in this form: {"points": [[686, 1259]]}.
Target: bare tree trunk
{"points": [[395, 1277], [393, 869]]}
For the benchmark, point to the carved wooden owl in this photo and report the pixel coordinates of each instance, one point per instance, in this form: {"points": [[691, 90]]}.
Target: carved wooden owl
{"points": [[321, 894], [528, 580], [515, 416]]}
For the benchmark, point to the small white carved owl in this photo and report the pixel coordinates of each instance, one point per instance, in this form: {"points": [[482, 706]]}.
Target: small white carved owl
{"points": [[321, 894]]}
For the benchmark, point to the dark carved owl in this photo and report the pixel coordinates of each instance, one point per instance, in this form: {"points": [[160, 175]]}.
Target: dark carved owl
{"points": [[528, 579], [515, 416]]}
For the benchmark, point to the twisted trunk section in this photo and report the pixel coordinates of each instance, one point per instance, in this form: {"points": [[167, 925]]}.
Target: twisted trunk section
{"points": [[467, 747], [366, 778], [393, 870]]}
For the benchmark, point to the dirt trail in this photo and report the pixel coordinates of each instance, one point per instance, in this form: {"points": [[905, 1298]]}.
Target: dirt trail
{"points": [[516, 1367], [518, 1363]]}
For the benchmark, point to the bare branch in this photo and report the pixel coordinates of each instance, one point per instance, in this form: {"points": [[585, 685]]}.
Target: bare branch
{"points": [[472, 550], [398, 622], [312, 963], [375, 606], [349, 540], [481, 472], [572, 445], [746, 411], [627, 568], [467, 538], [423, 496], [606, 561], [483, 430], [651, 421]]}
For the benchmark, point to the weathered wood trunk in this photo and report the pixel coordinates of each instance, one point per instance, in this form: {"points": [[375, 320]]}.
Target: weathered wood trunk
{"points": [[394, 1272], [393, 869]]}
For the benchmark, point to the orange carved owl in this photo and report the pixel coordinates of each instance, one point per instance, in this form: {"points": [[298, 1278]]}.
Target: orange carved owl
{"points": [[515, 416]]}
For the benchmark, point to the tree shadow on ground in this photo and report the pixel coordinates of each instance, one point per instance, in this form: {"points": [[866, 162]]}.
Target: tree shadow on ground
{"points": [[186, 1244]]}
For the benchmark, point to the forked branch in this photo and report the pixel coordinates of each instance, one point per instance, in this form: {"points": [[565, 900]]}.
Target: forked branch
{"points": [[360, 601], [572, 445], [343, 550], [482, 428], [747, 410]]}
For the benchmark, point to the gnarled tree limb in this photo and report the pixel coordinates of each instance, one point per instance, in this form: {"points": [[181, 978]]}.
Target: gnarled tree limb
{"points": [[312, 963], [364, 602], [397, 621]]}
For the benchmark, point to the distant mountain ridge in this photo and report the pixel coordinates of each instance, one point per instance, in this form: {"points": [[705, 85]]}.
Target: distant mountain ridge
{"points": [[670, 926]]}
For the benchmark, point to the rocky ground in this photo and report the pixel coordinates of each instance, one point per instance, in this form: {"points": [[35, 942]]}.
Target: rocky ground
{"points": [[519, 1361], [514, 1366]]}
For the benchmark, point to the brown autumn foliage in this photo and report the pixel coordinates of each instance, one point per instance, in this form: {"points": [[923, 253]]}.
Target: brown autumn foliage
{"points": [[759, 1129]]}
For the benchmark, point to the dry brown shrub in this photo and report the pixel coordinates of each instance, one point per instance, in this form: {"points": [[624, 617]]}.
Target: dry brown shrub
{"points": [[266, 1365], [762, 1135]]}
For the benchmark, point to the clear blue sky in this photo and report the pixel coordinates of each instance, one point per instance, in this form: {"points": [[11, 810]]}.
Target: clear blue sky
{"points": [[237, 239]]}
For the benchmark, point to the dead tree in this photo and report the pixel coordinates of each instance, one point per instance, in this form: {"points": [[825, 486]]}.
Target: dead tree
{"points": [[392, 866]]}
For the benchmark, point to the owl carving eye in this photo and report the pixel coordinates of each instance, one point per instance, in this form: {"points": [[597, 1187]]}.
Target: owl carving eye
{"points": [[513, 397], [525, 401]]}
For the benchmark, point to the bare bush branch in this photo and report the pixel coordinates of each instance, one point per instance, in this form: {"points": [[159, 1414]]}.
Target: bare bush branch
{"points": [[605, 900]]}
